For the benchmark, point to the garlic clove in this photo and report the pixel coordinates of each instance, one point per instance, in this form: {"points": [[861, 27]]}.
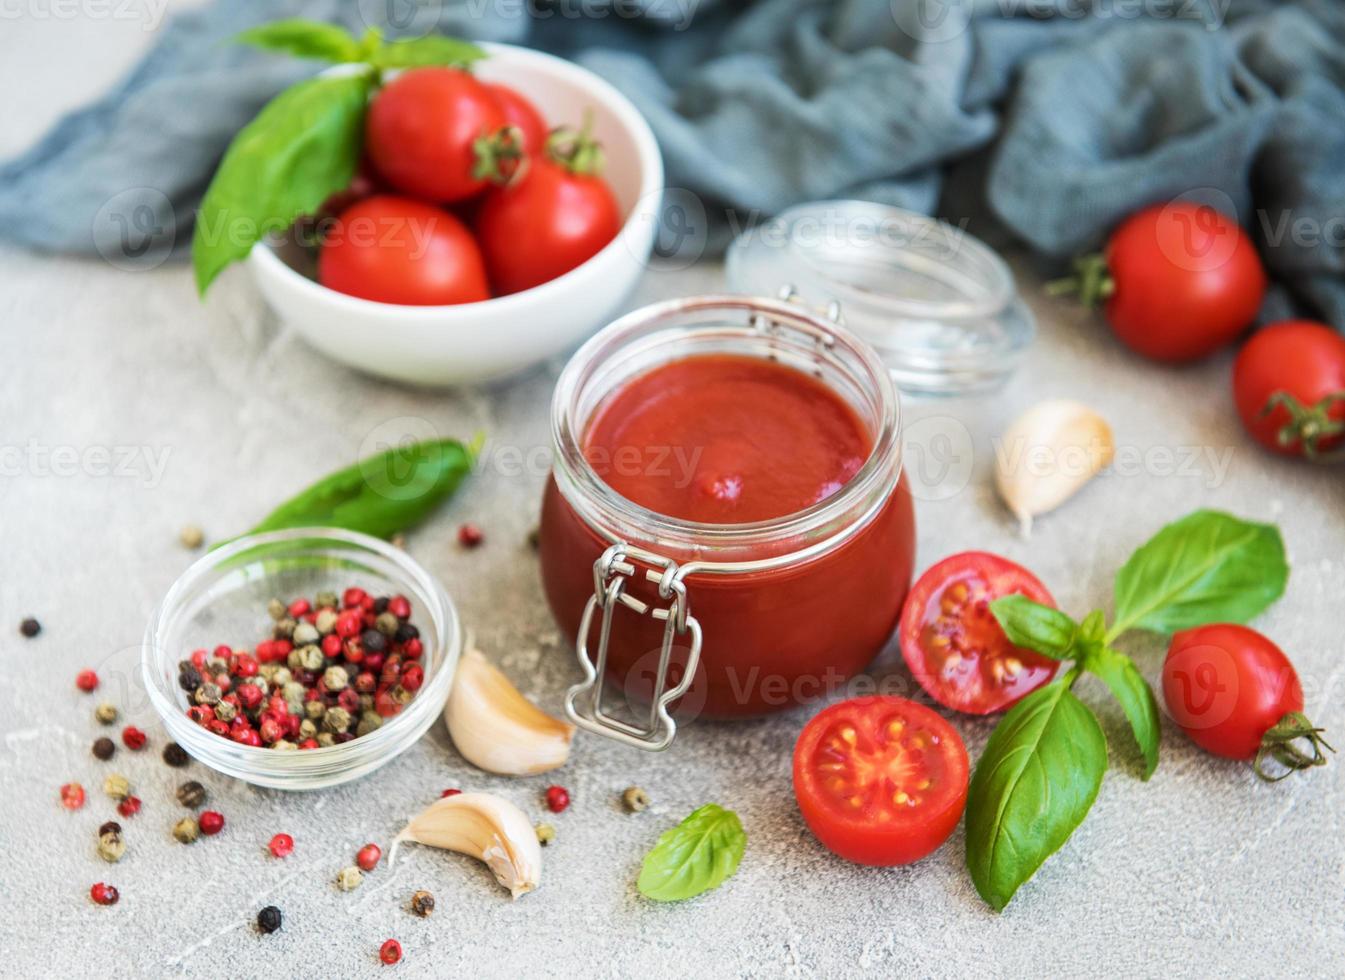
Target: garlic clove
{"points": [[487, 828], [496, 728], [1047, 455]]}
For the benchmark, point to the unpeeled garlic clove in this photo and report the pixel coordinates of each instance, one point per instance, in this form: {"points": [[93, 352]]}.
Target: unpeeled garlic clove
{"points": [[499, 730], [487, 828], [1048, 454]]}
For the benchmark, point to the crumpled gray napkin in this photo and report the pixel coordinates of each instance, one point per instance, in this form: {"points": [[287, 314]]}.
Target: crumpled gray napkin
{"points": [[1048, 121]]}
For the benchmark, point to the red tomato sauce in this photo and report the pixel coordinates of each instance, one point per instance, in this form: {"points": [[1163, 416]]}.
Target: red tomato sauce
{"points": [[728, 439]]}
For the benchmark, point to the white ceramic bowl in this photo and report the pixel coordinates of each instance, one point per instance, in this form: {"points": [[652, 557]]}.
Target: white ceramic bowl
{"points": [[474, 342]]}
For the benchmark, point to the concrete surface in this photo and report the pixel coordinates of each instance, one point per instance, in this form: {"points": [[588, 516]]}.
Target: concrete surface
{"points": [[1202, 871]]}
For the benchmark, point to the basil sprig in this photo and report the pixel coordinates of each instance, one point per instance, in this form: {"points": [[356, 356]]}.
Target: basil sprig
{"points": [[699, 854], [1042, 767], [305, 144], [382, 494]]}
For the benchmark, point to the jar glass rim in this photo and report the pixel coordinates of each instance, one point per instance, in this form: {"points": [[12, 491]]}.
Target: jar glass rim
{"points": [[756, 316]]}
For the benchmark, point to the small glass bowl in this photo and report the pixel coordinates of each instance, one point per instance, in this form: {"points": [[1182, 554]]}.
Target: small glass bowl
{"points": [[222, 599]]}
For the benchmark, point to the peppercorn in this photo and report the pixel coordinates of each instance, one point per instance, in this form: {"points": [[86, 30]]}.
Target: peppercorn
{"points": [[106, 714], [129, 807], [117, 786], [336, 720], [188, 678], [268, 919], [281, 677], [186, 830], [133, 738], [368, 857], [104, 748], [211, 822], [314, 710], [470, 536], [311, 658], [225, 711], [545, 834], [307, 729], [390, 952], [386, 623], [380, 605], [276, 609], [422, 903], [449, 792], [369, 721], [30, 627], [86, 680], [348, 879], [326, 740], [104, 894], [217, 667], [72, 796], [110, 844], [400, 606], [191, 794], [284, 628], [305, 634], [191, 536], [557, 798], [326, 600], [207, 693], [634, 799], [335, 678]]}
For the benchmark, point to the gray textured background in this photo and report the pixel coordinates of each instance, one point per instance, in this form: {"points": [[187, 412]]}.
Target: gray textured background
{"points": [[1202, 871]]}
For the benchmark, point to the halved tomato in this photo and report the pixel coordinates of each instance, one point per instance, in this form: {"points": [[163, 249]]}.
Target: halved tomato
{"points": [[880, 780], [954, 646]]}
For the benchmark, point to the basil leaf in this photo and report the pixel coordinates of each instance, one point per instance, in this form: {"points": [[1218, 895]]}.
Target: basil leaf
{"points": [[1033, 785], [1208, 567], [1037, 627], [1093, 629], [303, 147], [304, 39], [382, 494], [433, 49], [695, 856], [1135, 696]]}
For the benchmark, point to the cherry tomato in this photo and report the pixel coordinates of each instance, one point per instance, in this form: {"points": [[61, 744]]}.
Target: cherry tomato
{"points": [[1289, 387], [1226, 686], [422, 131], [548, 222], [519, 111], [953, 644], [395, 250], [880, 780]]}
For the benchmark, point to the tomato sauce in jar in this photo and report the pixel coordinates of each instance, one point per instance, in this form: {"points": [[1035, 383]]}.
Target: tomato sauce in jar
{"points": [[759, 463]]}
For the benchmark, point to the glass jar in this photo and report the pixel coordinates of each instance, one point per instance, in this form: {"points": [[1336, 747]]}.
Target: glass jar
{"points": [[721, 620], [223, 597], [938, 305]]}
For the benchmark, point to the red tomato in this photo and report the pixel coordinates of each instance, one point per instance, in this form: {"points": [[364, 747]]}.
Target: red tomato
{"points": [[395, 250], [422, 129], [1186, 281], [520, 112], [545, 224], [953, 644], [880, 780], [1226, 686], [1289, 387]]}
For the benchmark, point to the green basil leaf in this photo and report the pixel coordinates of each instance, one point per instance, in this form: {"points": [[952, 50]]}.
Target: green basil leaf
{"points": [[1135, 696], [303, 147], [382, 494], [1033, 785], [1037, 627], [1208, 567], [433, 49], [304, 39], [695, 856], [1093, 629]]}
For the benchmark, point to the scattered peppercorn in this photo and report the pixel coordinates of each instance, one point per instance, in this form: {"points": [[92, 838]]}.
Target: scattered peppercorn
{"points": [[422, 903], [281, 845], [30, 627], [390, 952], [545, 834], [188, 677], [634, 799], [191, 794], [104, 894], [557, 798], [72, 796], [109, 826], [348, 879], [129, 807], [86, 680], [191, 536], [105, 714], [111, 846], [186, 830], [133, 738], [470, 536], [368, 857], [175, 755], [104, 748], [268, 919], [449, 792], [117, 786], [212, 822]]}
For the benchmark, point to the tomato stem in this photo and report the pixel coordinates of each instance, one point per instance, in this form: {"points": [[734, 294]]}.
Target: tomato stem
{"points": [[1091, 281], [575, 149], [499, 156], [1308, 425], [1279, 744]]}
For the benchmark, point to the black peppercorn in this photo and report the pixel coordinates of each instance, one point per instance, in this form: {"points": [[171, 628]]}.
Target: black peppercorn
{"points": [[111, 827], [373, 641], [380, 605], [191, 794], [175, 755], [422, 903], [30, 627], [189, 678], [103, 748], [405, 632], [268, 919]]}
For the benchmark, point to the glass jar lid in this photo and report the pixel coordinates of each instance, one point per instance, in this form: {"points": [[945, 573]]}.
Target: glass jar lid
{"points": [[939, 305]]}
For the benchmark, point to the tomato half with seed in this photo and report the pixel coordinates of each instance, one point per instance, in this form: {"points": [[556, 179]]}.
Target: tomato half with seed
{"points": [[953, 644], [880, 780]]}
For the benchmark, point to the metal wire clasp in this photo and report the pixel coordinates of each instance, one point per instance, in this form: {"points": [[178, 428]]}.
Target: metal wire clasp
{"points": [[611, 572]]}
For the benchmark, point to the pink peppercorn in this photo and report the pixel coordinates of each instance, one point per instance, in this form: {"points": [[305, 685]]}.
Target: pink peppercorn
{"points": [[470, 536], [72, 796], [390, 952], [129, 807], [399, 606], [299, 608], [449, 792], [211, 822], [353, 597], [86, 680], [368, 857], [281, 845], [557, 798], [104, 894], [133, 738]]}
